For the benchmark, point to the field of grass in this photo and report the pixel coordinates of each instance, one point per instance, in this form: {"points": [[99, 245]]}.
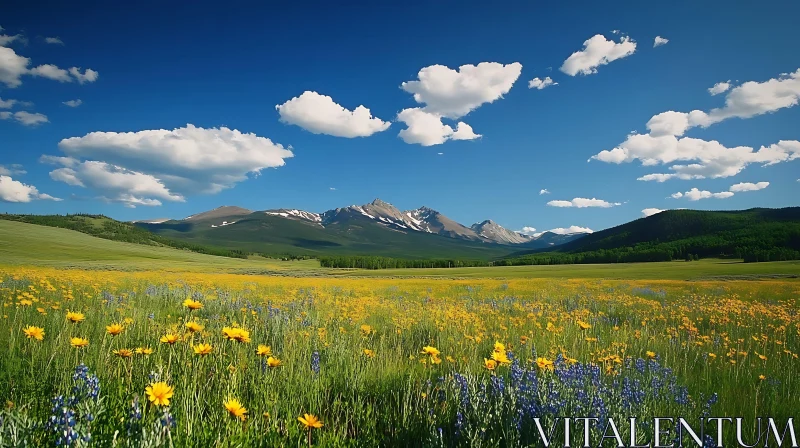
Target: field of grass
{"points": [[115, 344], [673, 270], [29, 244], [32, 245], [383, 362]]}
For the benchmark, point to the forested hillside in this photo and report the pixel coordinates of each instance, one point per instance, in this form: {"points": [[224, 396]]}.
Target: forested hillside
{"points": [[752, 235]]}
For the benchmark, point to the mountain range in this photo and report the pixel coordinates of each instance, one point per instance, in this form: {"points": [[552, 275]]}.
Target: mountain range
{"points": [[377, 228]]}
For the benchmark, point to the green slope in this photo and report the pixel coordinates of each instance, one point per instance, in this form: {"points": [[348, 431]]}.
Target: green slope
{"points": [[708, 269], [107, 228], [263, 233], [35, 245], [755, 235]]}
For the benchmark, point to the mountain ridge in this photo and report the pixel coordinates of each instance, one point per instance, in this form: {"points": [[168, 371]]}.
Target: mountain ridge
{"points": [[422, 219]]}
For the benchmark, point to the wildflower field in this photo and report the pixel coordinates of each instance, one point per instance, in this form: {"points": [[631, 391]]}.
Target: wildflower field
{"points": [[136, 359]]}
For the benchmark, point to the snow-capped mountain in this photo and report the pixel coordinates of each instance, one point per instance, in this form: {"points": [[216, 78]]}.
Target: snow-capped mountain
{"points": [[296, 214], [423, 219], [492, 231]]}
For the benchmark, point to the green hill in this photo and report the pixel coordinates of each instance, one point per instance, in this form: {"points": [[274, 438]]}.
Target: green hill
{"points": [[753, 235], [107, 228], [36, 245]]}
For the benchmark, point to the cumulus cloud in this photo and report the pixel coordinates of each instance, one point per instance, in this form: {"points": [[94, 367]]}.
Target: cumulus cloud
{"points": [[583, 203], [88, 75], [544, 191], [134, 167], [651, 211], [454, 93], [14, 66], [451, 94], [427, 129], [15, 191], [6, 39], [695, 195], [720, 87], [527, 230], [116, 183], [597, 51], [319, 114], [54, 40], [659, 41], [710, 159], [7, 104], [570, 230], [24, 117], [11, 170], [662, 144], [73, 103], [51, 71], [748, 186], [540, 84]]}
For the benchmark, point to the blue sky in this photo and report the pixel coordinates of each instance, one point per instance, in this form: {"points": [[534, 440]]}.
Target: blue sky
{"points": [[211, 66]]}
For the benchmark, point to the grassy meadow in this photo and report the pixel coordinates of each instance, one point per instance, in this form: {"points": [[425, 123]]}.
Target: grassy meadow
{"points": [[111, 344]]}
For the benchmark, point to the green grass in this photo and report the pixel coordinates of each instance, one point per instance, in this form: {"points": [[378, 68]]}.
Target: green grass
{"points": [[29, 244], [673, 270], [34, 245], [392, 399]]}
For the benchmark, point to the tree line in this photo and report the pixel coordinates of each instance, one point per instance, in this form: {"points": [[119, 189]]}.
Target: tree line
{"points": [[370, 262]]}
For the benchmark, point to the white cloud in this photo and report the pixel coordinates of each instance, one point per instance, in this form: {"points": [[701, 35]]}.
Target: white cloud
{"points": [[541, 83], [527, 230], [12, 67], [748, 186], [164, 164], [744, 101], [454, 93], [321, 115], [695, 195], [5, 39], [440, 153], [427, 129], [88, 75], [11, 170], [117, 184], [56, 160], [54, 40], [26, 118], [659, 41], [7, 104], [73, 103], [569, 230], [677, 195], [651, 211], [597, 51], [711, 158], [544, 191], [15, 191], [720, 87], [657, 177], [332, 188], [583, 203], [754, 98], [51, 71], [448, 93]]}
